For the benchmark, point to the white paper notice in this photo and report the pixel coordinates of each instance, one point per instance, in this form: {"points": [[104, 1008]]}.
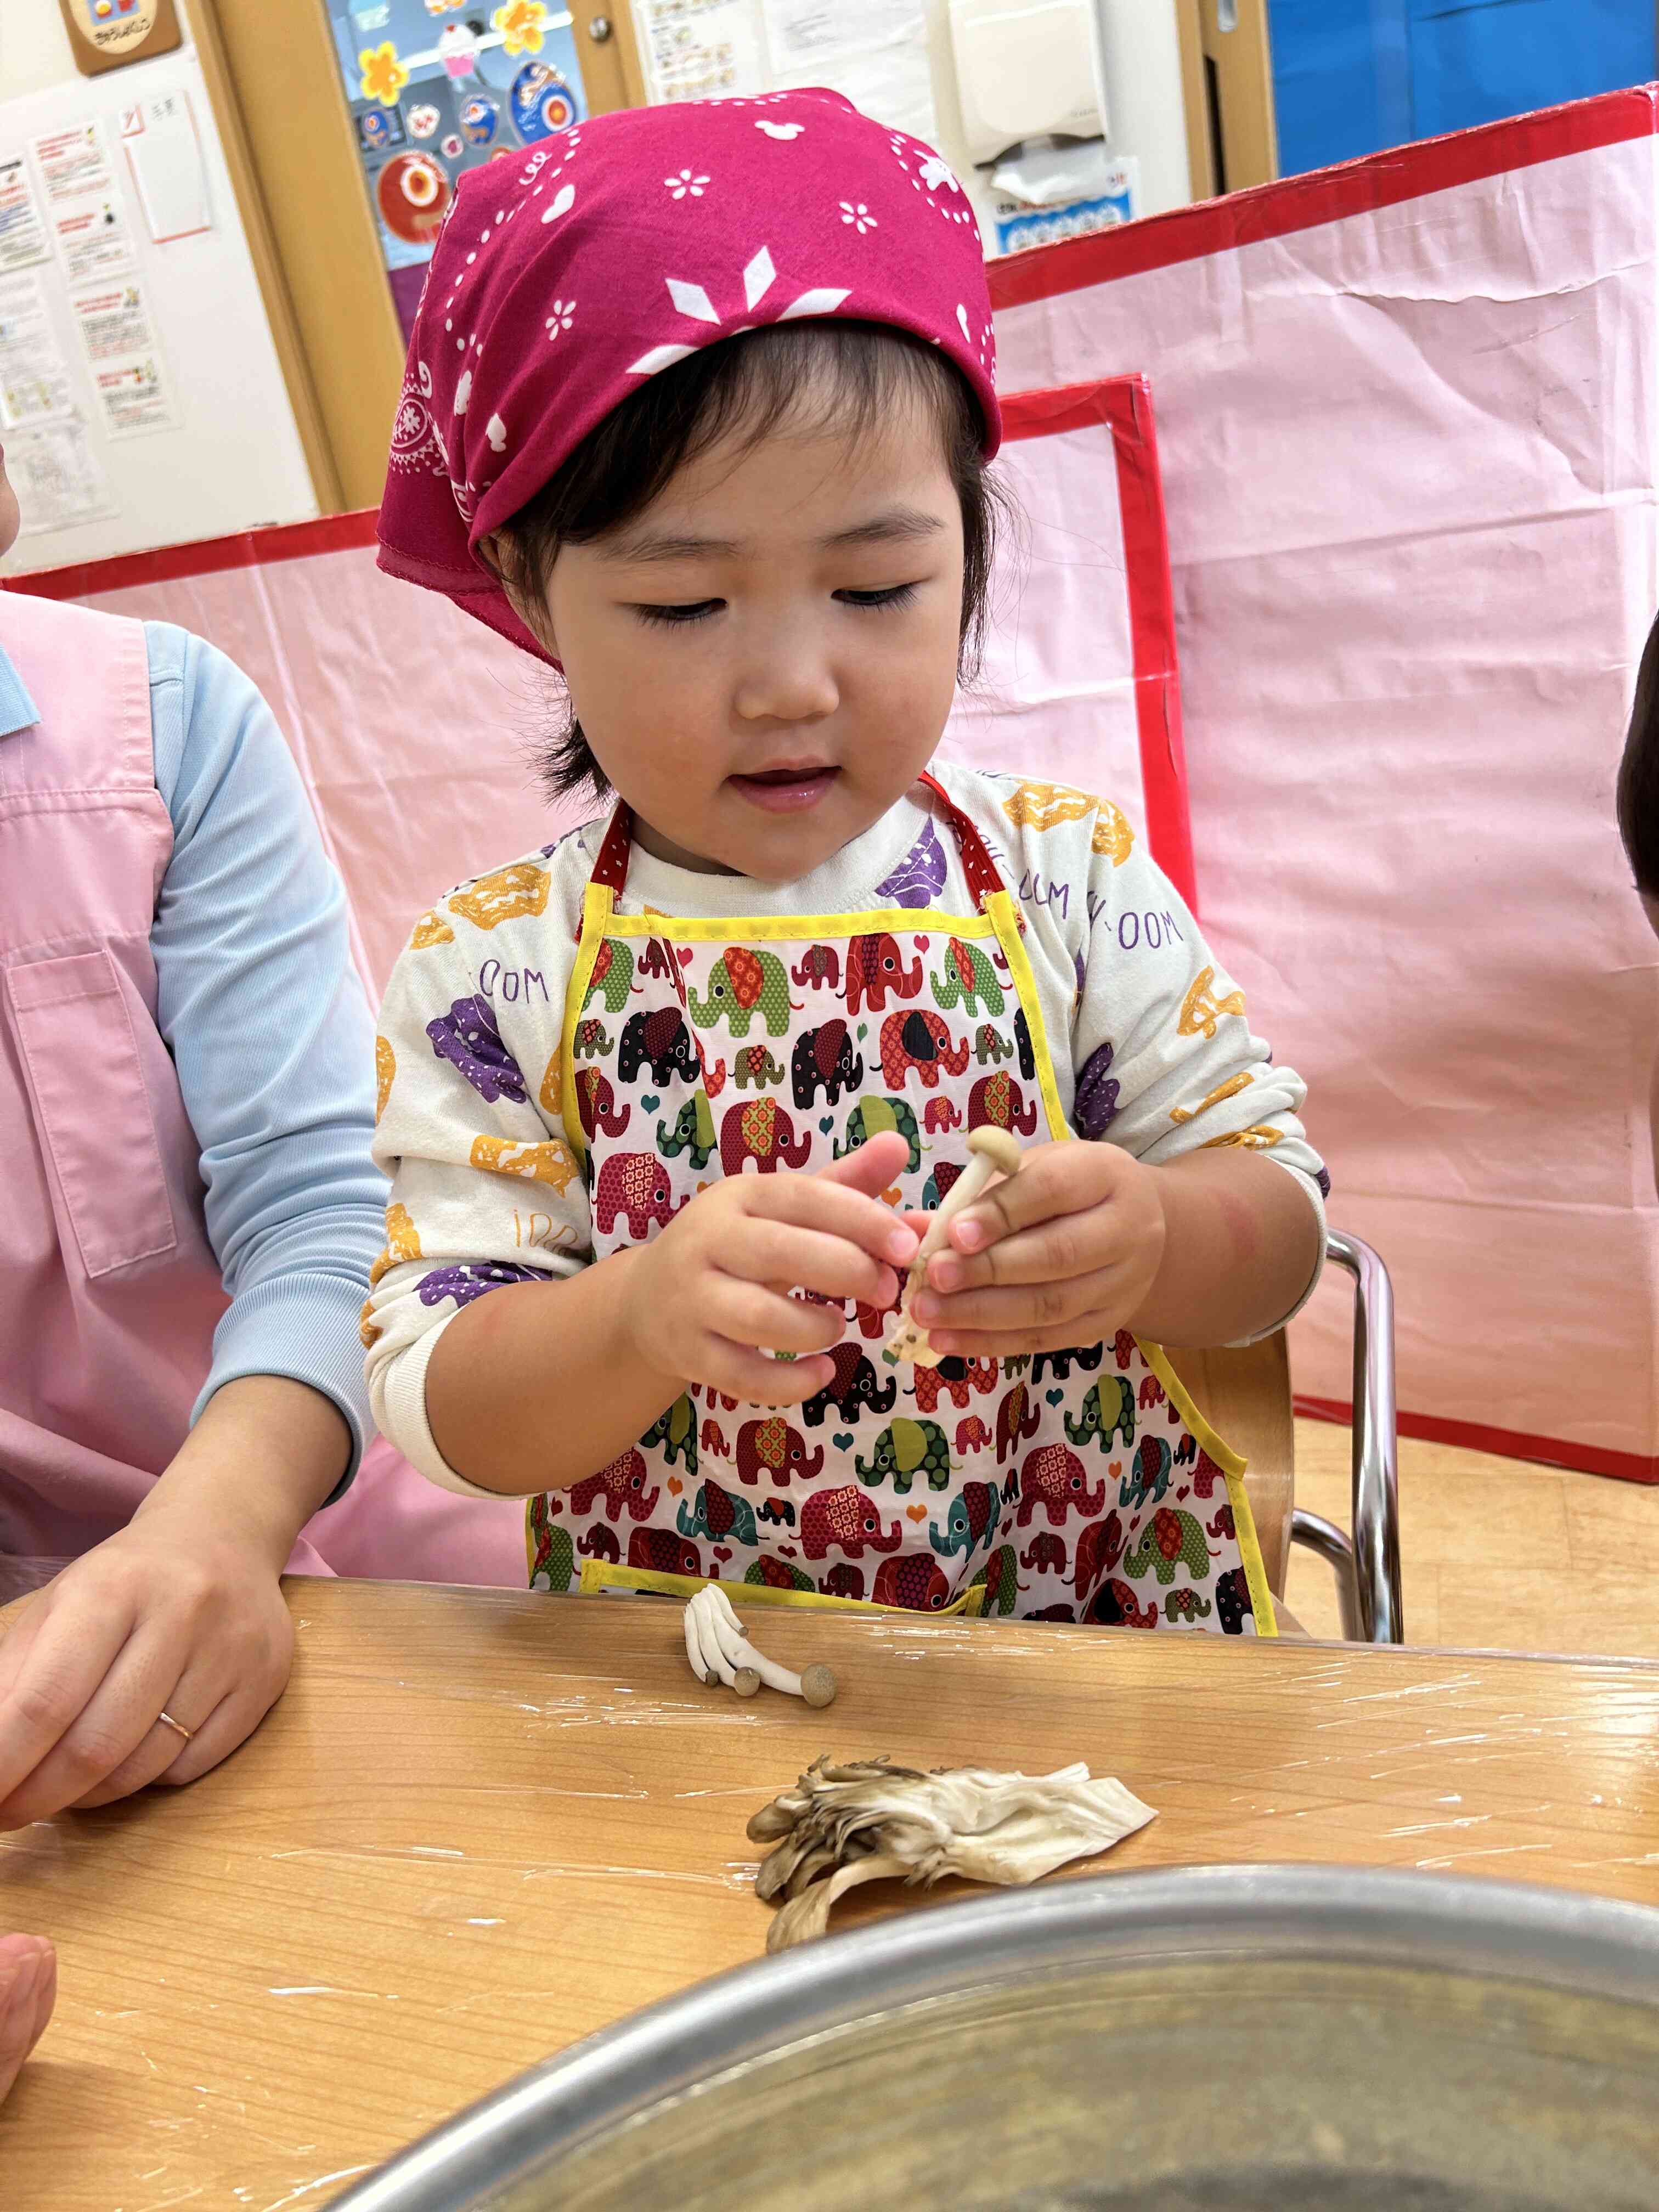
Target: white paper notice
{"points": [[56, 475], [873, 51], [23, 235], [73, 162], [165, 154], [92, 237], [134, 397], [34, 377], [113, 320], [700, 48], [127, 373]]}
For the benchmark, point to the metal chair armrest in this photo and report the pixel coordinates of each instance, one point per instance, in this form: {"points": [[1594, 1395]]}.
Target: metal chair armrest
{"points": [[1376, 1544]]}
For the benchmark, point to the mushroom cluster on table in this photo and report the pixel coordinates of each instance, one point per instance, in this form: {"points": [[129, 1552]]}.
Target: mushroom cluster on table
{"points": [[720, 1652]]}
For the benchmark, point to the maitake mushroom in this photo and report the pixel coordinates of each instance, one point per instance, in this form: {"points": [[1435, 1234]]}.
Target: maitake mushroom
{"points": [[872, 1821]]}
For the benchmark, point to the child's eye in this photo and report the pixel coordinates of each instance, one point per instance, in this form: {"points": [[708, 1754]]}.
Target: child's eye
{"points": [[897, 595], [678, 617]]}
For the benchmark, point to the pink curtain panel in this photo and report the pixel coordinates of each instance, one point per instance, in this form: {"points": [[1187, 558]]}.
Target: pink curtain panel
{"points": [[1406, 412]]}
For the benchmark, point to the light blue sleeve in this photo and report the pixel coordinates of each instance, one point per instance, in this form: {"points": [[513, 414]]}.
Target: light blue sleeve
{"points": [[268, 1030]]}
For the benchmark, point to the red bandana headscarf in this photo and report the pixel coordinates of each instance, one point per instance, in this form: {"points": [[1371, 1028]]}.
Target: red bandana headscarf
{"points": [[561, 281]]}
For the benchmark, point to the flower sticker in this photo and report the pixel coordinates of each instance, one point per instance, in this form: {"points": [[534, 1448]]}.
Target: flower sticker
{"points": [[560, 320], [522, 24], [685, 184], [859, 215], [384, 76]]}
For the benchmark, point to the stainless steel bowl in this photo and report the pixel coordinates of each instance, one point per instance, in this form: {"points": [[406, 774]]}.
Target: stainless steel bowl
{"points": [[1233, 2038]]}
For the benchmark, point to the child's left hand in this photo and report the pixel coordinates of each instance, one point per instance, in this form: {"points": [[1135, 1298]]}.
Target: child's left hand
{"points": [[1065, 1253]]}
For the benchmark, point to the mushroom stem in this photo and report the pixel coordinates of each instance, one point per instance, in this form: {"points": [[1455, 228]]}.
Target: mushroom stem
{"points": [[993, 1154]]}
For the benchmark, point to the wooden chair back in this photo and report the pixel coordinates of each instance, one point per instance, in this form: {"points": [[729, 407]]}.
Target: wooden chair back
{"points": [[1244, 1393]]}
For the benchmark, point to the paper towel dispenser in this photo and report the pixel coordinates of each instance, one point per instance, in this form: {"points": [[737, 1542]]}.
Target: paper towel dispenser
{"points": [[1026, 69]]}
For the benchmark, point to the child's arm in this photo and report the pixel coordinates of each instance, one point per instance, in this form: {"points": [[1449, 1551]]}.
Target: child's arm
{"points": [[501, 1357], [1198, 1218]]}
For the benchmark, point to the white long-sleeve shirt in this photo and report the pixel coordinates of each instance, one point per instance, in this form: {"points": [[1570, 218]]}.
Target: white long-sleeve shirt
{"points": [[1150, 1046]]}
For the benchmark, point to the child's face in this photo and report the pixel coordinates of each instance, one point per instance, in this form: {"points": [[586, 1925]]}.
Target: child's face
{"points": [[763, 660]]}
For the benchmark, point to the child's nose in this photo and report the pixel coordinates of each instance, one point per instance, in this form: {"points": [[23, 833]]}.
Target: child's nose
{"points": [[786, 683]]}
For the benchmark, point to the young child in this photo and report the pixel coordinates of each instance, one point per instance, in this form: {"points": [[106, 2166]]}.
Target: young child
{"points": [[1638, 815], [698, 409]]}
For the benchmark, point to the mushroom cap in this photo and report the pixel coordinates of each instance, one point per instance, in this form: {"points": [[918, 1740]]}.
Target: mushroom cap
{"points": [[818, 1685], [1001, 1149], [745, 1681]]}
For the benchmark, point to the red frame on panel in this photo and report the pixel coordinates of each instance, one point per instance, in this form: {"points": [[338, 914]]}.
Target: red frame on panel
{"points": [[1123, 404]]}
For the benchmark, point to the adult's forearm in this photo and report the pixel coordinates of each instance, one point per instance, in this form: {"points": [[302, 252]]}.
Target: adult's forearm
{"points": [[1242, 1247], [538, 1384], [264, 1455]]}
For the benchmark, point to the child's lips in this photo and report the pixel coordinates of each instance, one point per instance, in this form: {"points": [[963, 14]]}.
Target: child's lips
{"points": [[786, 790]]}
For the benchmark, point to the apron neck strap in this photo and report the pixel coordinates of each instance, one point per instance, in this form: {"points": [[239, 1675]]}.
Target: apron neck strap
{"points": [[611, 869], [981, 870]]}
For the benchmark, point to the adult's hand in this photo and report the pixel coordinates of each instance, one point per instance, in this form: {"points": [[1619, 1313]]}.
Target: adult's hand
{"points": [[180, 1613], [28, 1986]]}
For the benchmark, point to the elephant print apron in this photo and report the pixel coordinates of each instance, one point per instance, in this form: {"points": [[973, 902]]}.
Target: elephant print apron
{"points": [[1070, 1486]]}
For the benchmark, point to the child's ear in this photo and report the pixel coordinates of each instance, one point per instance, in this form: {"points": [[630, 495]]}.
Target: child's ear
{"points": [[503, 558]]}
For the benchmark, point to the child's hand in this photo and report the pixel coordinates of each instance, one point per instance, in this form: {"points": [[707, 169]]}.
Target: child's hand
{"points": [[712, 1292], [1065, 1253]]}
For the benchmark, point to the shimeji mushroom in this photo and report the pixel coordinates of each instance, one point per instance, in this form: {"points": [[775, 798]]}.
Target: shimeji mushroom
{"points": [[871, 1820], [994, 1153], [720, 1652]]}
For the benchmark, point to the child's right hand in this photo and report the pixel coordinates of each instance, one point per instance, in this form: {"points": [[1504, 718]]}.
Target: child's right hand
{"points": [[711, 1294]]}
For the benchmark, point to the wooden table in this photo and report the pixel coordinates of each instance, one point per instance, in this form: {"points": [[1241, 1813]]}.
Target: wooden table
{"points": [[481, 1824]]}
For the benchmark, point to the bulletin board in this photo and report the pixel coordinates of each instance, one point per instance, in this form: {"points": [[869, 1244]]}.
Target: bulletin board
{"points": [[437, 90], [141, 394]]}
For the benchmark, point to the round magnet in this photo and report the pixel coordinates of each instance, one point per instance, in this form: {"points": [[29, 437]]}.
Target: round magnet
{"points": [[543, 104], [413, 193], [478, 119], [452, 146], [423, 119]]}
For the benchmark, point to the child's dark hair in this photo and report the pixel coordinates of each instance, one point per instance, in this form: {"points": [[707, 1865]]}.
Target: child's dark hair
{"points": [[847, 375], [1638, 774]]}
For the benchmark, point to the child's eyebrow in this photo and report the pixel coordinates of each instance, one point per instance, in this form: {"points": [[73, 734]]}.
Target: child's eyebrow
{"points": [[892, 527], [898, 522]]}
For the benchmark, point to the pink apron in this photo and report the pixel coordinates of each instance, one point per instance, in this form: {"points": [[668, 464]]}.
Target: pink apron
{"points": [[109, 1290], [1078, 1486]]}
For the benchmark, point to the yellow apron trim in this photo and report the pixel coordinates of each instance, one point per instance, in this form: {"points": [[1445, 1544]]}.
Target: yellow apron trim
{"points": [[596, 923], [598, 1576], [1255, 1567], [1232, 1473], [1223, 1454], [788, 928], [1000, 908]]}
